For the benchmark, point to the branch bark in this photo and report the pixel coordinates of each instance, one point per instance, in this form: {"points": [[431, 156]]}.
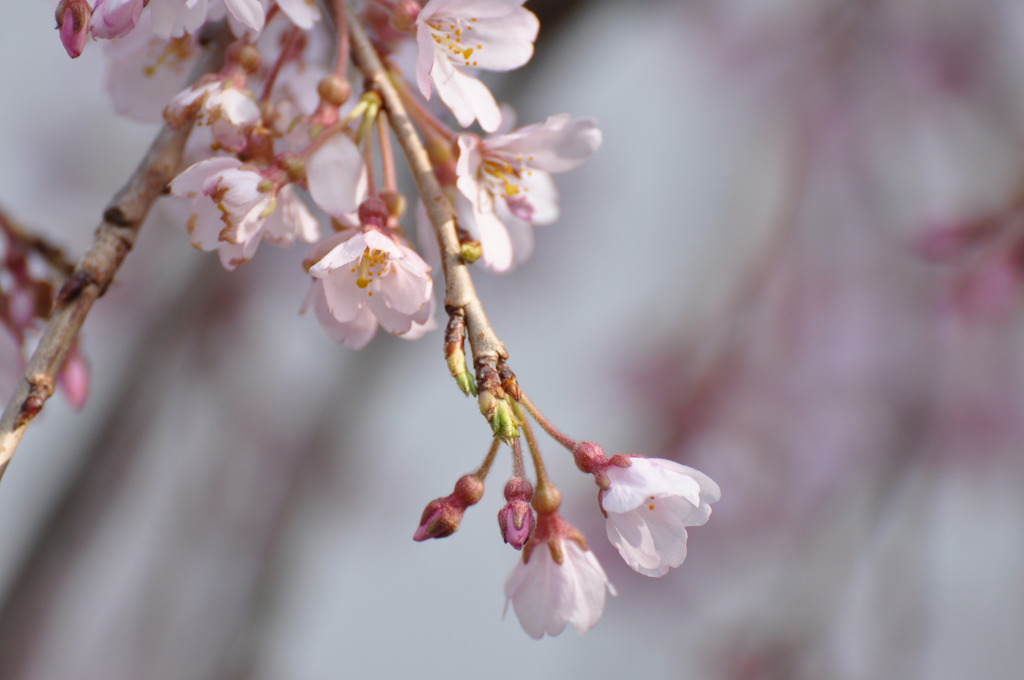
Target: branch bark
{"points": [[115, 236], [460, 292]]}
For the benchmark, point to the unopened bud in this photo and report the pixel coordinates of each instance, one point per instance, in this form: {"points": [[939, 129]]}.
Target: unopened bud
{"points": [[499, 414], [516, 519], [470, 251], [73, 25], [334, 90], [247, 56], [516, 523], [395, 202], [373, 213], [442, 516], [469, 490], [403, 15], [590, 457]]}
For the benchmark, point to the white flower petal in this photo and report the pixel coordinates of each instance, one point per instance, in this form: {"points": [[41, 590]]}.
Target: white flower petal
{"points": [[336, 175]]}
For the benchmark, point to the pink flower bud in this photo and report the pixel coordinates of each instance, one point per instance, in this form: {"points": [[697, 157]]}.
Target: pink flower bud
{"points": [[515, 520], [403, 15], [590, 457], [73, 25], [74, 379], [516, 523], [442, 516]]}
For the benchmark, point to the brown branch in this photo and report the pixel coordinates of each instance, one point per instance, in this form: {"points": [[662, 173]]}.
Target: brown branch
{"points": [[114, 237], [31, 241], [460, 292]]}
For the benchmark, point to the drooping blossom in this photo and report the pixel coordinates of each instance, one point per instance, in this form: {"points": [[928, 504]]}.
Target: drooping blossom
{"points": [[114, 18], [506, 186], [229, 111], [455, 35], [558, 581], [648, 503], [234, 207], [367, 279]]}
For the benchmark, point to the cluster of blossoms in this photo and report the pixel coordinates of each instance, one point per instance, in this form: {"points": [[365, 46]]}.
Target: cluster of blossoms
{"points": [[647, 503], [283, 150]]}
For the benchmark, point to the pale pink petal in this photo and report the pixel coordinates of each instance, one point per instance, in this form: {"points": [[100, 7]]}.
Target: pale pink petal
{"points": [[344, 297], [114, 18], [303, 13], [192, 180], [503, 43], [467, 97], [632, 486], [559, 144], [336, 175], [249, 13], [344, 255]]}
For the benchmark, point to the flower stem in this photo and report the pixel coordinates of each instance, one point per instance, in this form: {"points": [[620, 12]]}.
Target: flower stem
{"points": [[485, 467], [460, 291], [546, 424]]}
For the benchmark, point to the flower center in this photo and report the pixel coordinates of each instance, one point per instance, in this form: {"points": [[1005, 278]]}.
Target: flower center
{"points": [[448, 34], [372, 264], [172, 55]]}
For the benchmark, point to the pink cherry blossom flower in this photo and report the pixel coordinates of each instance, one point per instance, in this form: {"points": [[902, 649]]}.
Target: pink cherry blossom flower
{"points": [[453, 35], [230, 112], [558, 581], [233, 208], [114, 18], [649, 504], [506, 186], [368, 279]]}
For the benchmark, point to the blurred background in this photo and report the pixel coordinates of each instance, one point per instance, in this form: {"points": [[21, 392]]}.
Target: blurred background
{"points": [[795, 264]]}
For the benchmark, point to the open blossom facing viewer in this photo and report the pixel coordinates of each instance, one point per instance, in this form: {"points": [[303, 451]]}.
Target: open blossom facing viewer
{"points": [[368, 278], [506, 186], [452, 35]]}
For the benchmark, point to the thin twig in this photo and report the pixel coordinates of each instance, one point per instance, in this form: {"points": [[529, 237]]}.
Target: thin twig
{"points": [[53, 254], [114, 237], [459, 289]]}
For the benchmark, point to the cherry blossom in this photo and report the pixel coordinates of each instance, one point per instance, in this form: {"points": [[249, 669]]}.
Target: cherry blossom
{"points": [[368, 279], [557, 582], [506, 186], [229, 111], [114, 18], [496, 35], [649, 504], [234, 207]]}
